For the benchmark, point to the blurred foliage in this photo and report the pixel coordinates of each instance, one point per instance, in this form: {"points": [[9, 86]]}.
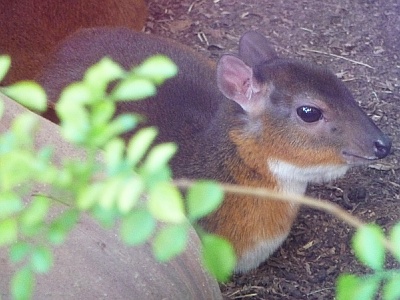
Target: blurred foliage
{"points": [[111, 189]]}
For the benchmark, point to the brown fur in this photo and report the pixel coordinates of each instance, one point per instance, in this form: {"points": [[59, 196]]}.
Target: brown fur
{"points": [[30, 29], [254, 220], [232, 139]]}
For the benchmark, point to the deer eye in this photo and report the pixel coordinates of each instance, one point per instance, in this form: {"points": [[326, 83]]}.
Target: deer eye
{"points": [[309, 114]]}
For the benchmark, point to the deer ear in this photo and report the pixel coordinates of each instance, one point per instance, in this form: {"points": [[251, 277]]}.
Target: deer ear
{"points": [[235, 80], [254, 48]]}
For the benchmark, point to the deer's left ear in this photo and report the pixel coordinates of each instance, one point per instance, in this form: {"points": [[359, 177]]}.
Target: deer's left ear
{"points": [[235, 80]]}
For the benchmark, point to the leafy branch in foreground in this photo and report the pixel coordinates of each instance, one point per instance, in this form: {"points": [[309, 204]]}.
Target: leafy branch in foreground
{"points": [[109, 184]]}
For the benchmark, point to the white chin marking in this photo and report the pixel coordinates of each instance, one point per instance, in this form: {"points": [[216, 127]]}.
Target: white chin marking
{"points": [[253, 258], [294, 179]]}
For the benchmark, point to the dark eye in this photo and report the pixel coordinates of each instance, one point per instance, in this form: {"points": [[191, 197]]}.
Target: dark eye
{"points": [[309, 114]]}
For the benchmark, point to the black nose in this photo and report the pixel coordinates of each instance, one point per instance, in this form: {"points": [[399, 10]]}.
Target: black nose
{"points": [[382, 148]]}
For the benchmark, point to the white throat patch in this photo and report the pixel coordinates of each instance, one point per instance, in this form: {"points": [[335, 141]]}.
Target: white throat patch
{"points": [[294, 179]]}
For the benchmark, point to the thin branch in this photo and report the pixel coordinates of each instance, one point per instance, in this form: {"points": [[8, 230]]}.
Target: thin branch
{"points": [[263, 193], [341, 57], [323, 205]]}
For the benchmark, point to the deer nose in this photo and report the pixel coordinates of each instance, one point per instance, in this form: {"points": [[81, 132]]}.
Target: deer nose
{"points": [[382, 147]]}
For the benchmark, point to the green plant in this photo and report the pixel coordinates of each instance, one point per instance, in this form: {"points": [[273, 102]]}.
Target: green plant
{"points": [[110, 189], [369, 247]]}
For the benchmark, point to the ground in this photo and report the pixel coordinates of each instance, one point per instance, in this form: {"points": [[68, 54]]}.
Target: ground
{"points": [[358, 40]]}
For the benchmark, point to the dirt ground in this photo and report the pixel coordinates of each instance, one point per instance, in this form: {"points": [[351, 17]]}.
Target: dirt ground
{"points": [[360, 41]]}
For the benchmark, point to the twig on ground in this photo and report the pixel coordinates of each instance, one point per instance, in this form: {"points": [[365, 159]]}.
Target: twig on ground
{"points": [[341, 57]]}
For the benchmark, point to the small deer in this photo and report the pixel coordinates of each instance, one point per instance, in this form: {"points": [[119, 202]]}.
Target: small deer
{"points": [[254, 119]]}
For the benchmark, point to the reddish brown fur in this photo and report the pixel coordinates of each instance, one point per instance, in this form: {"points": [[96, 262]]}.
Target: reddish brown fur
{"points": [[253, 218], [252, 221], [253, 151], [29, 29], [219, 139]]}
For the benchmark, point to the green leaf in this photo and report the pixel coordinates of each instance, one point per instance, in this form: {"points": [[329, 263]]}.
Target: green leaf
{"points": [[10, 204], [118, 126], [203, 198], [16, 169], [218, 256], [391, 290], [101, 74], [24, 126], [8, 143], [137, 227], [42, 259], [36, 212], [64, 177], [346, 286], [395, 240], [22, 284], [75, 94], [131, 89], [71, 110], [102, 113], [89, 196], [170, 242], [107, 217], [45, 155], [77, 131], [62, 225], [158, 158], [157, 68], [139, 144], [166, 203], [109, 194], [130, 194], [114, 154], [357, 288], [9, 231], [123, 123], [29, 94], [161, 175], [368, 246], [19, 251], [5, 63]]}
